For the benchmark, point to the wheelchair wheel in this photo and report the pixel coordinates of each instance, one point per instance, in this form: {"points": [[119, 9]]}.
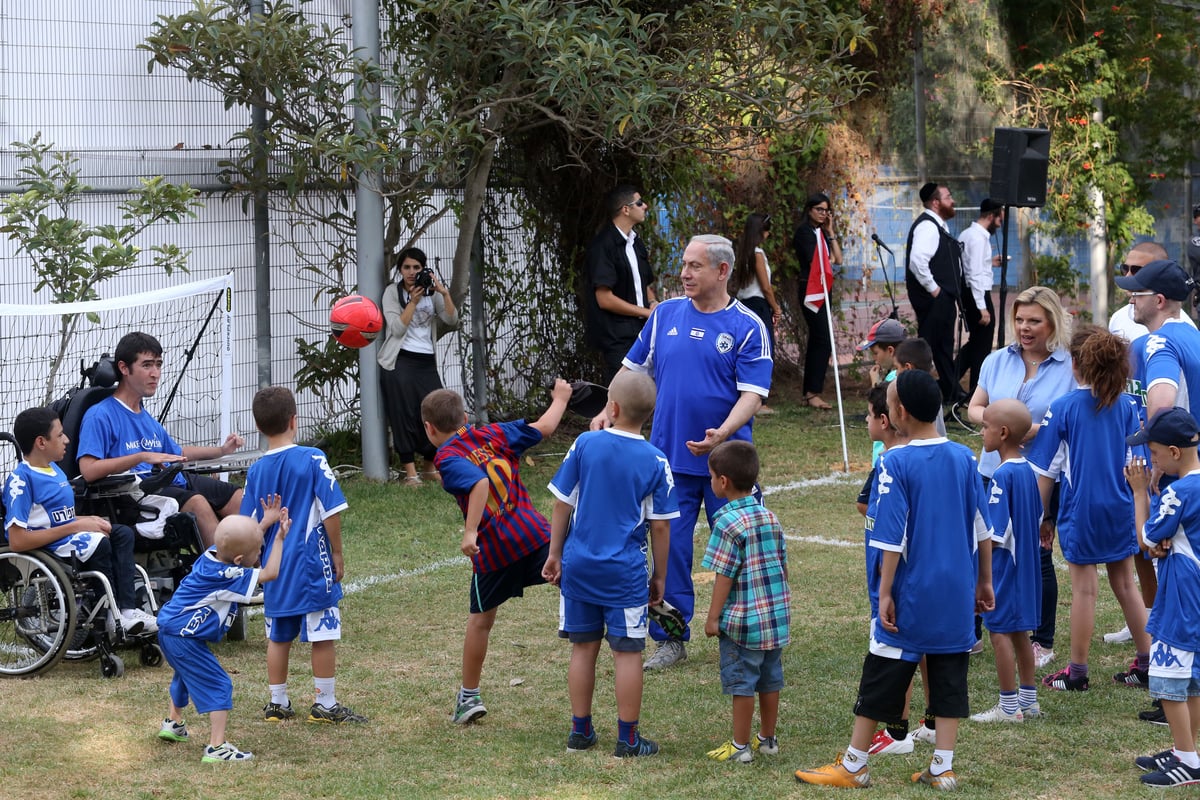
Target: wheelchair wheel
{"points": [[151, 655], [237, 629], [111, 666], [37, 612]]}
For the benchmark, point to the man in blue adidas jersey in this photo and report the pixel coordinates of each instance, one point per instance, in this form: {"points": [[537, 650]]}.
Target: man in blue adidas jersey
{"points": [[711, 362], [303, 603], [119, 435], [931, 523]]}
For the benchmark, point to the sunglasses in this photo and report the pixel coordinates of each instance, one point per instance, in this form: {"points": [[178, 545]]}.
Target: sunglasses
{"points": [[639, 203], [1129, 269]]}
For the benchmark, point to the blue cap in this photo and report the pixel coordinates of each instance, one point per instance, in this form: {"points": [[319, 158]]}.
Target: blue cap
{"points": [[1161, 277], [1173, 427]]}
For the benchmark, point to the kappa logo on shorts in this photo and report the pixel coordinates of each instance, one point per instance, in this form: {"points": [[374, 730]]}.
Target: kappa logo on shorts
{"points": [[724, 343], [1164, 656], [329, 621]]}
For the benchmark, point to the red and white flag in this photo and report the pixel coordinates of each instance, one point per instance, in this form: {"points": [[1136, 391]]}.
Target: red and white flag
{"points": [[820, 275]]}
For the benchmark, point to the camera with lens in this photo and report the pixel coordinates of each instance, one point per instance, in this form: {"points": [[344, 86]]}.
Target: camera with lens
{"points": [[424, 279]]}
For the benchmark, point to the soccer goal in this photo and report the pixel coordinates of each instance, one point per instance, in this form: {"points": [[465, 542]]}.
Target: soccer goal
{"points": [[44, 347]]}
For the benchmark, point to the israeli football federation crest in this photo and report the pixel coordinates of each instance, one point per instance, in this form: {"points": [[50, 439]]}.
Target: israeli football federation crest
{"points": [[724, 343]]}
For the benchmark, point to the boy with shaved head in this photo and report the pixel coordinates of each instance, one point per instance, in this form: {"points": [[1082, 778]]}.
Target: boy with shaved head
{"points": [[1015, 511]]}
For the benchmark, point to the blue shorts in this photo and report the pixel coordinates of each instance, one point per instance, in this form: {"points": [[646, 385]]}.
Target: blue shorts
{"points": [[198, 677], [745, 672], [624, 628], [1174, 673], [316, 626]]}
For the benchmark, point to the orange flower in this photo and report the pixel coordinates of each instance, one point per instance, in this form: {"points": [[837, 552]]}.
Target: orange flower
{"points": [[1087, 165]]}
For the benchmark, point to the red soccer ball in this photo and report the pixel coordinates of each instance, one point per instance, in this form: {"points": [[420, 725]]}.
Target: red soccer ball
{"points": [[355, 321]]}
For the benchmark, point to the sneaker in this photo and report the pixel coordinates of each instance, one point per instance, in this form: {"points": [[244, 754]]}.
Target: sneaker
{"points": [[642, 747], [1041, 656], [1155, 716], [1138, 678], [947, 781], [274, 712], [883, 743], [1119, 637], [768, 746], [923, 734], [1178, 774], [727, 752], [998, 714], [977, 648], [578, 742], [669, 652], [1158, 761], [226, 752], [135, 621], [835, 775], [335, 716], [172, 731], [468, 710], [1061, 681], [1031, 711]]}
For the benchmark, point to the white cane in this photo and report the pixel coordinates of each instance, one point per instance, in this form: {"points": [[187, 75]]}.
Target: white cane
{"points": [[837, 378]]}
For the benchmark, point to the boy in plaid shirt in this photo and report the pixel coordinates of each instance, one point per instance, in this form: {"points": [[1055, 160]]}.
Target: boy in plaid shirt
{"points": [[751, 601]]}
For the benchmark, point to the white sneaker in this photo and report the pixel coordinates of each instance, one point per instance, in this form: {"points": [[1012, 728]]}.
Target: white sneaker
{"points": [[1041, 656], [923, 734], [669, 652], [998, 714], [1031, 711], [883, 743], [134, 620], [1118, 637]]}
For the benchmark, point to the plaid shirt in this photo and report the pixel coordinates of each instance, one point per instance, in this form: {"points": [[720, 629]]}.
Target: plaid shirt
{"points": [[747, 546]]}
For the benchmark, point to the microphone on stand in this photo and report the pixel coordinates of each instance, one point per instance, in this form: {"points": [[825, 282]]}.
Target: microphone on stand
{"points": [[875, 238]]}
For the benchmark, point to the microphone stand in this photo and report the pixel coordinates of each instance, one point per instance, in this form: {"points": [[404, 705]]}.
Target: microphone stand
{"points": [[887, 281]]}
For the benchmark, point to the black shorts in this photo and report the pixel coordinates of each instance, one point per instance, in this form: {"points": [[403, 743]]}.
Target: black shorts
{"points": [[217, 493], [490, 589], [884, 683]]}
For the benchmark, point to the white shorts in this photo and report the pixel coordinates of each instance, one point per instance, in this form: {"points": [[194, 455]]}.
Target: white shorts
{"points": [[315, 626]]}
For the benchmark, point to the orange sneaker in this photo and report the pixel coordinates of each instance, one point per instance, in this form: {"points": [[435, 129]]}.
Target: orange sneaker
{"points": [[835, 775], [947, 781]]}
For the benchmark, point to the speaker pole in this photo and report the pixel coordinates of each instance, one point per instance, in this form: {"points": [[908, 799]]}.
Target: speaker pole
{"points": [[1001, 309]]}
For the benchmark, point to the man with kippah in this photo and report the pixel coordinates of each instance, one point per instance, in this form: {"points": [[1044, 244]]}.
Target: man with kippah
{"points": [[934, 278], [978, 261]]}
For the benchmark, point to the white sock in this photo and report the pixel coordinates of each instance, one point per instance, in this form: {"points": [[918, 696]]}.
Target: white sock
{"points": [[854, 760], [279, 694], [325, 696], [943, 761], [1188, 758]]}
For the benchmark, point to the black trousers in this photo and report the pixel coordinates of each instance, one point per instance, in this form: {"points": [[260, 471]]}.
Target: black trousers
{"points": [[935, 324], [818, 350], [971, 356]]}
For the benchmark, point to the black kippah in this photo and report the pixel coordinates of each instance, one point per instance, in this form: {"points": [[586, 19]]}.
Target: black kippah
{"points": [[927, 192]]}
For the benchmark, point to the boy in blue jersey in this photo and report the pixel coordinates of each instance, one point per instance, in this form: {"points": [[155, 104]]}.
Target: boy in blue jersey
{"points": [[612, 486], [1016, 515], [504, 536], [1172, 536], [304, 601], [751, 601], [200, 611], [39, 511], [931, 524]]}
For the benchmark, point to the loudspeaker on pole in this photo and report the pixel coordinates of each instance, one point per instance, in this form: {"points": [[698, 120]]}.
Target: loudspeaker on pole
{"points": [[1020, 164]]}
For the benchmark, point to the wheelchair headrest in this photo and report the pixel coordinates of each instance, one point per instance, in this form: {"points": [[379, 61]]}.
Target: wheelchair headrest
{"points": [[103, 373], [72, 420]]}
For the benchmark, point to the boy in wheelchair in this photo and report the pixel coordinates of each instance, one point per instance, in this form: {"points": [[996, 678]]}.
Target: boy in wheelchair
{"points": [[39, 505]]}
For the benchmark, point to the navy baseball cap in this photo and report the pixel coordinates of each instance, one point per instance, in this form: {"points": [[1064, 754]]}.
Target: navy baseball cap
{"points": [[1173, 427], [1161, 277], [887, 331]]}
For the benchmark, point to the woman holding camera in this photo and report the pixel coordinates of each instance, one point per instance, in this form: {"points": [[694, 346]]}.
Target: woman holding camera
{"points": [[412, 308]]}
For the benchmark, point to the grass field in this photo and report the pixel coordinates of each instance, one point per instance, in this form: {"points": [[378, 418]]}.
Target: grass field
{"points": [[71, 734]]}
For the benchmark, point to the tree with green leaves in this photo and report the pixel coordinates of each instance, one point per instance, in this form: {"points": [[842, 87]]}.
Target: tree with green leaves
{"points": [[70, 257]]}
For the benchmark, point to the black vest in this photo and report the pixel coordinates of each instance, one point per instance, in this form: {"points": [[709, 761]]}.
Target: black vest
{"points": [[945, 265]]}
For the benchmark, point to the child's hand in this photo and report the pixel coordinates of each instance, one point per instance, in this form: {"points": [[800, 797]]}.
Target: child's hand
{"points": [[552, 570], [1159, 549], [95, 524], [710, 627], [1137, 475], [285, 523], [658, 587], [272, 505], [985, 598], [1046, 533], [873, 372], [469, 544], [561, 391], [339, 566], [887, 613]]}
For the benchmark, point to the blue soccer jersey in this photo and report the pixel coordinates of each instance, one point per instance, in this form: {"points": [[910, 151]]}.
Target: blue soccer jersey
{"points": [[310, 493], [111, 430], [616, 482], [701, 363], [932, 510], [39, 499], [1172, 356], [1015, 511], [1175, 618], [510, 527], [1095, 511], [206, 600]]}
